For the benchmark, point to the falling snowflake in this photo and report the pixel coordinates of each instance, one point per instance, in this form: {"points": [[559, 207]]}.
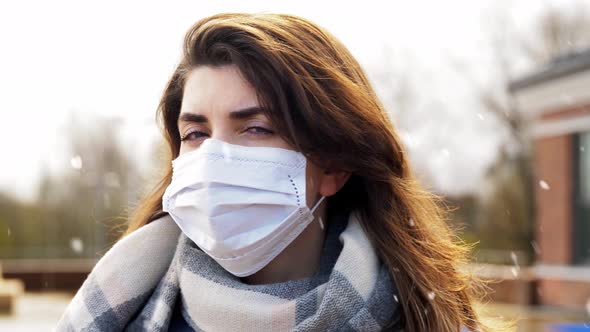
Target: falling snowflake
{"points": [[395, 298], [480, 116], [544, 185], [411, 222], [431, 295], [516, 267], [77, 245], [581, 148], [8, 231], [536, 247], [514, 271], [76, 162]]}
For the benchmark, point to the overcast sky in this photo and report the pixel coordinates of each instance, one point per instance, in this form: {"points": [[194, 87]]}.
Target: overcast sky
{"points": [[112, 58]]}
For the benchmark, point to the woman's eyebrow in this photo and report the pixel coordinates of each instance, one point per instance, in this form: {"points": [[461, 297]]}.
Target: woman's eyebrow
{"points": [[240, 114], [246, 113], [192, 117]]}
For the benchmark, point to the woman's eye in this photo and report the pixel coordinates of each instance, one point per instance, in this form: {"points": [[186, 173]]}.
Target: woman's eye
{"points": [[193, 135], [259, 131]]}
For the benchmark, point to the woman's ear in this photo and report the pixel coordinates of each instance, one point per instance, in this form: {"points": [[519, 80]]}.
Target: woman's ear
{"points": [[332, 180]]}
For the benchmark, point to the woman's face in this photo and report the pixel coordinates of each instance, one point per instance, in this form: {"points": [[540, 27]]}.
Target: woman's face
{"points": [[219, 103]]}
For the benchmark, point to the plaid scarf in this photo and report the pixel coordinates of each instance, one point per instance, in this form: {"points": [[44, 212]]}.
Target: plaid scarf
{"points": [[138, 282]]}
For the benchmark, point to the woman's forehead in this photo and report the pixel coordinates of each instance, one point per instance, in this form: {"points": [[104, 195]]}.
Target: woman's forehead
{"points": [[217, 89]]}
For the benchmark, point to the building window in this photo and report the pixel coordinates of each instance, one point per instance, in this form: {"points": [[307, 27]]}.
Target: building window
{"points": [[581, 229]]}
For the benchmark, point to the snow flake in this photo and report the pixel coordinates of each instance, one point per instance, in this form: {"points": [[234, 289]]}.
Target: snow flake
{"points": [[76, 162], [431, 295], [544, 185], [536, 247], [77, 245], [516, 267]]}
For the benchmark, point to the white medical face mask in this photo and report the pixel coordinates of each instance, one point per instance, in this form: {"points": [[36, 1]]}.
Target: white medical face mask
{"points": [[241, 205]]}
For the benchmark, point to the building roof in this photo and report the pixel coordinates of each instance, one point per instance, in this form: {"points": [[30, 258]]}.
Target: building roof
{"points": [[559, 67]]}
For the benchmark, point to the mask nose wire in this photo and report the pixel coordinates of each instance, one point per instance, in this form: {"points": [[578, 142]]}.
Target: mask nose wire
{"points": [[315, 207]]}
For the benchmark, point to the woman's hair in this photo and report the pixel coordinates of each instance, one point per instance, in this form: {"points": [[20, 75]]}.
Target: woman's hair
{"points": [[319, 99]]}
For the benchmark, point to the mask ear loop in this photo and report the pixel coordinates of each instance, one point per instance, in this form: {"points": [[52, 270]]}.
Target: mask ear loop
{"points": [[315, 207]]}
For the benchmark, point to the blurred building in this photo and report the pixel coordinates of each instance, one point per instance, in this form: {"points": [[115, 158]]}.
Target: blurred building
{"points": [[555, 105]]}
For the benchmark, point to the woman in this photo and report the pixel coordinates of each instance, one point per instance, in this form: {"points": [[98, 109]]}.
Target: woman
{"points": [[288, 204]]}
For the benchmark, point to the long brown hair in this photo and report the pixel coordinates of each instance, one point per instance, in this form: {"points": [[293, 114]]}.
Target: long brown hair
{"points": [[320, 100]]}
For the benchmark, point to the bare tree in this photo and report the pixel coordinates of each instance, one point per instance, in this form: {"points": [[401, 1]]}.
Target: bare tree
{"points": [[557, 31], [89, 198]]}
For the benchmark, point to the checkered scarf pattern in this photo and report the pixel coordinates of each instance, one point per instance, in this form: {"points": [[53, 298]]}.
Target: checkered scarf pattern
{"points": [[136, 284]]}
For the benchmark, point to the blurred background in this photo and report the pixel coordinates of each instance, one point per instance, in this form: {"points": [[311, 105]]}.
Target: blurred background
{"points": [[490, 97]]}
